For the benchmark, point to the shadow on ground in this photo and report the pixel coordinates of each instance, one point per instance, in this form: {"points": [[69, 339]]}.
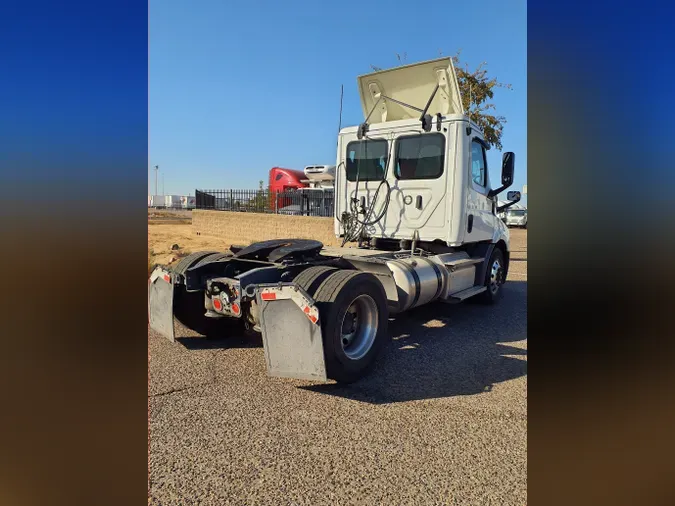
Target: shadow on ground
{"points": [[444, 350], [192, 341], [436, 351]]}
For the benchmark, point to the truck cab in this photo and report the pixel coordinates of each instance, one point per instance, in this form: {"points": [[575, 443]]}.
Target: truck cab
{"points": [[428, 180], [283, 180]]}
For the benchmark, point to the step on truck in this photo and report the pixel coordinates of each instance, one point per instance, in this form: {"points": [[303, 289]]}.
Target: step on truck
{"points": [[416, 215]]}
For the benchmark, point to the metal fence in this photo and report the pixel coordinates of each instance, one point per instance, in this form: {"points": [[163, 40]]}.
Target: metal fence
{"points": [[304, 202]]}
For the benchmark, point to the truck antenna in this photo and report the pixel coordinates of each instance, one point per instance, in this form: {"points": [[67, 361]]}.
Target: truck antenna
{"points": [[342, 89]]}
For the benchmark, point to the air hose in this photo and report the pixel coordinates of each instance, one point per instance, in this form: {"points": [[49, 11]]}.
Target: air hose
{"points": [[351, 220]]}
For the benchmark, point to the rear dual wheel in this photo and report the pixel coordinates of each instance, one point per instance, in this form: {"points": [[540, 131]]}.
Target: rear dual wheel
{"points": [[354, 315]]}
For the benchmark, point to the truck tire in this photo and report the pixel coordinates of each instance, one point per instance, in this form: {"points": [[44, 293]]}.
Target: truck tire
{"points": [[354, 315], [310, 279], [494, 278], [190, 260], [213, 257]]}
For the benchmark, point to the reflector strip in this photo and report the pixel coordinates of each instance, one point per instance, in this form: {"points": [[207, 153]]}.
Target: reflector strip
{"points": [[167, 278], [298, 297]]}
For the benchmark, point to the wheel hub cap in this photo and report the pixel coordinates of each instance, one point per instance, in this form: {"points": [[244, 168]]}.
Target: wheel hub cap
{"points": [[359, 327], [496, 275]]}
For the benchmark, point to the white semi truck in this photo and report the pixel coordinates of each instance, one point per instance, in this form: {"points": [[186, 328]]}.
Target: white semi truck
{"points": [[417, 215]]}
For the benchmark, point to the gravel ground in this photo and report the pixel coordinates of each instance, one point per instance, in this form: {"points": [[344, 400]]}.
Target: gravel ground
{"points": [[442, 419]]}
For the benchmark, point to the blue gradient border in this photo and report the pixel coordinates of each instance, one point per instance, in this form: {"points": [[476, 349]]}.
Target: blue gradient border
{"points": [[75, 95], [600, 223], [73, 166]]}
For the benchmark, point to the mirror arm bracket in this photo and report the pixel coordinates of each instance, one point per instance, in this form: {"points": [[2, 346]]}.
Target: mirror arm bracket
{"points": [[507, 205], [497, 191]]}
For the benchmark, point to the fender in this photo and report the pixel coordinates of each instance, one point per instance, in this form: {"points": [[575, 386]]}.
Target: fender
{"points": [[483, 250]]}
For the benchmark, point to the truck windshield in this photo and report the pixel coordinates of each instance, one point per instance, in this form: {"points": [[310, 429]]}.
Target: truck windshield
{"points": [[367, 158]]}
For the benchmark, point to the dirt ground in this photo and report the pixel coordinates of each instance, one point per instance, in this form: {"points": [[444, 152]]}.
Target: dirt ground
{"points": [[166, 228]]}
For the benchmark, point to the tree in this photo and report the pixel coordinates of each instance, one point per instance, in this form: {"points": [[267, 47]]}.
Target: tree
{"points": [[259, 201], [477, 91]]}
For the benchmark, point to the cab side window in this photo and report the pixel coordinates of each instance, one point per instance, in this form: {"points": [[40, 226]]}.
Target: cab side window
{"points": [[478, 164]]}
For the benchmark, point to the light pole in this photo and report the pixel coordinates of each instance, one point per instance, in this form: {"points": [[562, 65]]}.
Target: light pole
{"points": [[156, 170]]}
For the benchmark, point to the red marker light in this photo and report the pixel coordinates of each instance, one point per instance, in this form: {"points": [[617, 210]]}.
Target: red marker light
{"points": [[235, 308], [217, 304], [269, 296]]}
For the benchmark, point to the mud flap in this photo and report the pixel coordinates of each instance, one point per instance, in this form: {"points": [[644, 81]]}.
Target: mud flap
{"points": [[160, 303], [291, 333]]}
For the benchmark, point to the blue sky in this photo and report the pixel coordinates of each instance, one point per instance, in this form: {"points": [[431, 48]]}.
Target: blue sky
{"points": [[236, 88]]}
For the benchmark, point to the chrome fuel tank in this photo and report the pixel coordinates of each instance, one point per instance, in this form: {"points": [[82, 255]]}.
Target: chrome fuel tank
{"points": [[418, 281]]}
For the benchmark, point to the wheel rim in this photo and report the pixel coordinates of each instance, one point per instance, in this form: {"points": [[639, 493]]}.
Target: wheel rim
{"points": [[359, 327], [495, 276]]}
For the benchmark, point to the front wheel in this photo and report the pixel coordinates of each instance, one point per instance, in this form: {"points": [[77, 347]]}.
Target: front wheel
{"points": [[354, 315], [494, 278]]}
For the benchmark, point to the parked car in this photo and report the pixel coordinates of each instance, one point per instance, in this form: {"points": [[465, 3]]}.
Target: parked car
{"points": [[516, 218]]}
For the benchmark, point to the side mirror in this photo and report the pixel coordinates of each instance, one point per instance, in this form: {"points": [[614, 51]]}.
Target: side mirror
{"points": [[508, 164], [513, 198]]}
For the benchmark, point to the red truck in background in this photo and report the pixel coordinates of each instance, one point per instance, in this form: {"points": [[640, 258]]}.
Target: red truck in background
{"points": [[282, 180]]}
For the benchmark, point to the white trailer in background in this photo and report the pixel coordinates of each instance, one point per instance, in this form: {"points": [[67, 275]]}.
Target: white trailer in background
{"points": [[157, 201], [188, 202], [172, 201], [412, 194]]}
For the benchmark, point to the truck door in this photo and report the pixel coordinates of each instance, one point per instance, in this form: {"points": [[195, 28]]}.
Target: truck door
{"points": [[418, 183], [480, 219]]}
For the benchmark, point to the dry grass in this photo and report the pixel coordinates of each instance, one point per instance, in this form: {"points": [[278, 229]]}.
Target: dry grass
{"points": [[166, 217], [163, 235]]}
